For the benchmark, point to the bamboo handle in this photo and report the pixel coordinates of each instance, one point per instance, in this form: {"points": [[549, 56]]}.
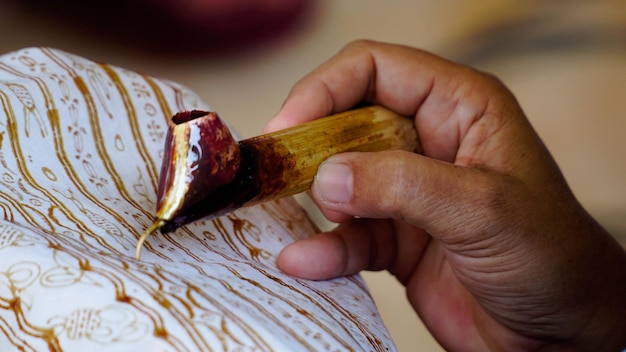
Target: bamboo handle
{"points": [[287, 160]]}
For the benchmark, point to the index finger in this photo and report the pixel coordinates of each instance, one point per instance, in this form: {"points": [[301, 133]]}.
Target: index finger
{"points": [[363, 71], [445, 98]]}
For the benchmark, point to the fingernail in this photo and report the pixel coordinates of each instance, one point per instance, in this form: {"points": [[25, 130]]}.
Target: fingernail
{"points": [[334, 182]]}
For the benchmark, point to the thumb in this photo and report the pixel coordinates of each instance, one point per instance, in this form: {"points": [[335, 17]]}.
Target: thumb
{"points": [[434, 195]]}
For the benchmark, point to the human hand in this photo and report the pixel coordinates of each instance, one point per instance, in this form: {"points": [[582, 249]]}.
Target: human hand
{"points": [[494, 250]]}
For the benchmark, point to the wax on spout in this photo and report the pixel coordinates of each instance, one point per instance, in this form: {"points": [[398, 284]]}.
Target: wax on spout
{"points": [[200, 156]]}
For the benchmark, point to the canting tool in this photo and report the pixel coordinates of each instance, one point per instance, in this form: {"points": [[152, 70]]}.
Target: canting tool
{"points": [[207, 173]]}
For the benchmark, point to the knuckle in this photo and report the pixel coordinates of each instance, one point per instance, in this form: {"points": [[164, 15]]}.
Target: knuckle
{"points": [[498, 200], [393, 185], [493, 85], [360, 44]]}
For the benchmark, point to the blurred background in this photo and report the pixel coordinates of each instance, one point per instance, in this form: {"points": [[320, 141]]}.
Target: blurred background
{"points": [[564, 60]]}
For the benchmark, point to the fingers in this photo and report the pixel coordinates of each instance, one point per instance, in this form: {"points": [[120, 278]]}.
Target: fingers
{"points": [[446, 99], [337, 85], [394, 76], [344, 251], [398, 185], [359, 244], [399, 199], [471, 212], [472, 132]]}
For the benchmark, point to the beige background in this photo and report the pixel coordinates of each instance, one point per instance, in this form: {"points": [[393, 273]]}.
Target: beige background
{"points": [[564, 60]]}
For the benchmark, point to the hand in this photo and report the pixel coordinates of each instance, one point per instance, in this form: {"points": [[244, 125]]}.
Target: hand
{"points": [[494, 250]]}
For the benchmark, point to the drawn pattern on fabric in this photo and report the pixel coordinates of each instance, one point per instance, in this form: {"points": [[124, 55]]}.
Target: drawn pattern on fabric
{"points": [[80, 149]]}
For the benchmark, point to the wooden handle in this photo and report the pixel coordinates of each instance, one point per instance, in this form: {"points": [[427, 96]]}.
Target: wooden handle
{"points": [[287, 160]]}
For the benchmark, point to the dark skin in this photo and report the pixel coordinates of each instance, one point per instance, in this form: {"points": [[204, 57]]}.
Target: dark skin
{"points": [[494, 250]]}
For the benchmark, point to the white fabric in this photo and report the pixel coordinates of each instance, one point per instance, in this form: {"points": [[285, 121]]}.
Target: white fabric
{"points": [[80, 150]]}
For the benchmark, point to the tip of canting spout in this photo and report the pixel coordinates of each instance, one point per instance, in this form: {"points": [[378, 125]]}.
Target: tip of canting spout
{"points": [[158, 223]]}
